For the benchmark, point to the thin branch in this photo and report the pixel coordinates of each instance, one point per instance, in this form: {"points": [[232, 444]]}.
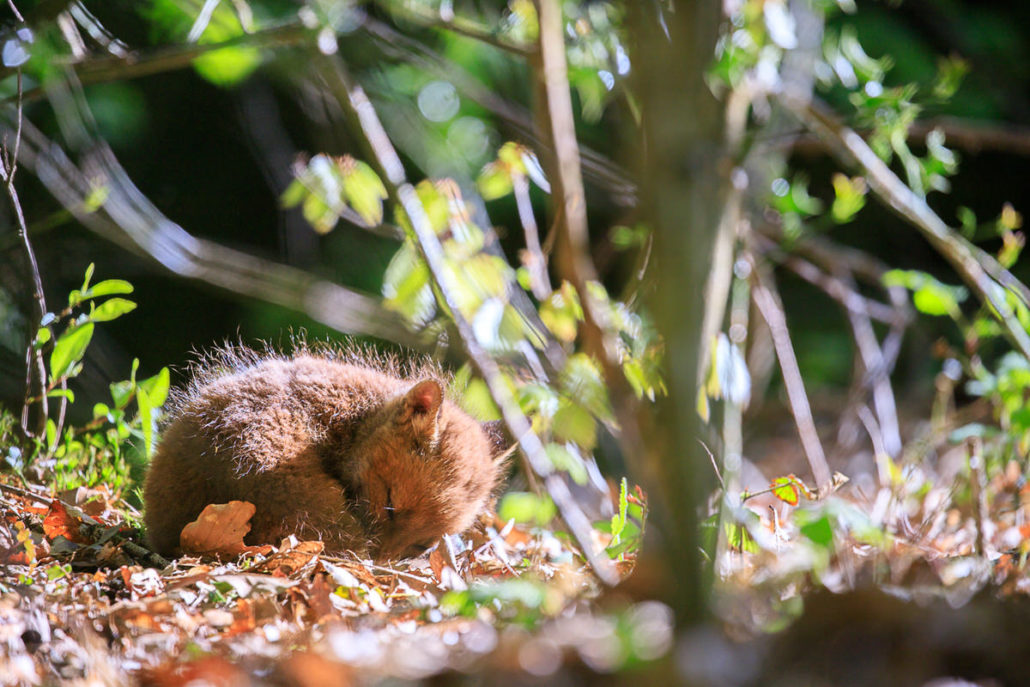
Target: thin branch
{"points": [[129, 219], [403, 193], [533, 259], [978, 269], [169, 58], [876, 367], [772, 312], [463, 26], [963, 134]]}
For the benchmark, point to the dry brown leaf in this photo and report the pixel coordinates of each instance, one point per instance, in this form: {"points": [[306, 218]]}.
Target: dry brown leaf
{"points": [[58, 523], [318, 599], [437, 562], [220, 529], [289, 561], [243, 618]]}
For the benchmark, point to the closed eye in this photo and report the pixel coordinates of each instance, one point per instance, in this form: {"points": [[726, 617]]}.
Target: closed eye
{"points": [[390, 510]]}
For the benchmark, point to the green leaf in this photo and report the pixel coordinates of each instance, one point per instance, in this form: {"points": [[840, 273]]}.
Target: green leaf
{"points": [[108, 287], [294, 194], [146, 415], [785, 490], [573, 422], [477, 401], [89, 275], [62, 393], [849, 197], [494, 181], [929, 295], [121, 393], [100, 410], [564, 459], [68, 350], [42, 337], [157, 387], [363, 190], [526, 507], [228, 66], [111, 309]]}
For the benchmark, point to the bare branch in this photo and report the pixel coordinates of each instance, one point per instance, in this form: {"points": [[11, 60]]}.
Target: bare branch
{"points": [[169, 58], [130, 220], [463, 26], [533, 258], [769, 306], [965, 135]]}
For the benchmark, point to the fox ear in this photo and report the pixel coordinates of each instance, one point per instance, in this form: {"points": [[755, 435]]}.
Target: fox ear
{"points": [[424, 398], [421, 407]]}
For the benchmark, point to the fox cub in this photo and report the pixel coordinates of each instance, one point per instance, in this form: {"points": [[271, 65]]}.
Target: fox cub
{"points": [[340, 446]]}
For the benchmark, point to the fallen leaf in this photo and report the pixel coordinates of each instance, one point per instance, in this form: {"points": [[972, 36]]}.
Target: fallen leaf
{"points": [[318, 592], [58, 523], [437, 562], [289, 561], [243, 618], [220, 529]]}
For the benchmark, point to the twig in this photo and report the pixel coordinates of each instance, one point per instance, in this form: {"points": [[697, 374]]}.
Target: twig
{"points": [[403, 193], [35, 369], [978, 269], [959, 133], [462, 26], [534, 258], [169, 58], [876, 367], [597, 168], [27, 493], [772, 312], [978, 489]]}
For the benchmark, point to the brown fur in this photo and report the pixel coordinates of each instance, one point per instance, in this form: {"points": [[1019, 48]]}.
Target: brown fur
{"points": [[342, 446]]}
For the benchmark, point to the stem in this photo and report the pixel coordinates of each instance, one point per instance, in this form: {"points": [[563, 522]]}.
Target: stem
{"points": [[534, 258], [772, 312]]}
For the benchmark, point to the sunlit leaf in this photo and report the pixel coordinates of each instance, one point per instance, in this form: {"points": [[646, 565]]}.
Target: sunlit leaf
{"points": [[69, 349], [849, 197], [363, 189], [494, 181], [527, 507], [111, 309], [786, 490], [574, 423], [157, 387]]}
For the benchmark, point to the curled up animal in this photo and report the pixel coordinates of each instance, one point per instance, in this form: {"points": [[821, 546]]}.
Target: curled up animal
{"points": [[339, 445]]}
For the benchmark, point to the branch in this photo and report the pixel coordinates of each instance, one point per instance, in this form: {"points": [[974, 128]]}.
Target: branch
{"points": [[169, 58], [404, 195], [129, 219], [771, 309], [419, 13], [965, 135], [978, 269]]}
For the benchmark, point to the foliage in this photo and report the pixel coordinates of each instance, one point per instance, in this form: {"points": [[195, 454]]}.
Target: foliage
{"points": [[114, 442]]}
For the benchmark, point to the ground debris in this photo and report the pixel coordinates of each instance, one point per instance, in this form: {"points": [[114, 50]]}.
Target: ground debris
{"points": [[80, 602]]}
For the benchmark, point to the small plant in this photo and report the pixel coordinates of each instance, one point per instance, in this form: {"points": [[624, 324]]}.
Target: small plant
{"points": [[114, 441]]}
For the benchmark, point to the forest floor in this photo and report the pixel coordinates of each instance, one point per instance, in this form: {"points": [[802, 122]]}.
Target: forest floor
{"points": [[82, 601]]}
